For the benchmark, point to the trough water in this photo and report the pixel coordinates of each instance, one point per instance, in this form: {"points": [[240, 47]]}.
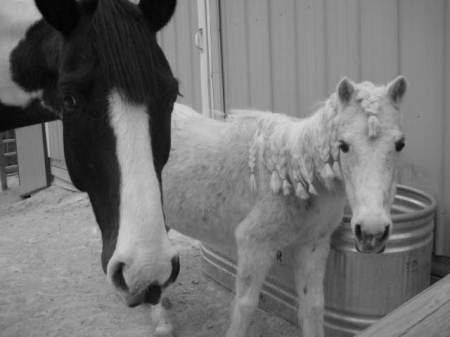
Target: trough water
{"points": [[359, 288]]}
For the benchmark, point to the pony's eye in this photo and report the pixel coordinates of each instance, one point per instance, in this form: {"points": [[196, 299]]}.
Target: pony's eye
{"points": [[69, 102], [400, 144], [344, 146]]}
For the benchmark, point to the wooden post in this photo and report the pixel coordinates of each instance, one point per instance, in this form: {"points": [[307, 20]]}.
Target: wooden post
{"points": [[3, 177], [425, 315]]}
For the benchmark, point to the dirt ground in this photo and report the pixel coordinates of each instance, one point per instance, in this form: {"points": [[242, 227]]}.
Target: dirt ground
{"points": [[51, 282]]}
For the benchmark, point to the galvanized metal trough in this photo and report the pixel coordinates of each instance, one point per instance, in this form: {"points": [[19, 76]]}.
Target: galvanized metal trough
{"points": [[359, 288]]}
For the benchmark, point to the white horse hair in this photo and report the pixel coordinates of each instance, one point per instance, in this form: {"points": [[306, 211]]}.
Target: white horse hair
{"points": [[273, 181]]}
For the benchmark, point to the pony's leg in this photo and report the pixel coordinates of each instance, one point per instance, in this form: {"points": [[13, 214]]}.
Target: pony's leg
{"points": [[310, 264], [253, 265], [161, 322]]}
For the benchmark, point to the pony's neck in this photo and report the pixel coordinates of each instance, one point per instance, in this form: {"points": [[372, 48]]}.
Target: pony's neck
{"points": [[299, 153]]}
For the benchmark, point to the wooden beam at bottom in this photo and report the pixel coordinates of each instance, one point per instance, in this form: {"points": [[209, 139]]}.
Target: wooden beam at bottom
{"points": [[426, 315]]}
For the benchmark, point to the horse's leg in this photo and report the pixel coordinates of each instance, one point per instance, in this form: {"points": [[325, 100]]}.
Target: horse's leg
{"points": [[253, 265], [310, 263], [161, 322]]}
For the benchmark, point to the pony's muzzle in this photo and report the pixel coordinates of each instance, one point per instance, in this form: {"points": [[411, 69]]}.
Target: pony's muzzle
{"points": [[369, 242]]}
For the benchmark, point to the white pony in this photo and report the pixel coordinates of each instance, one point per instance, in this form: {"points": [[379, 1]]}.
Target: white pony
{"points": [[274, 181]]}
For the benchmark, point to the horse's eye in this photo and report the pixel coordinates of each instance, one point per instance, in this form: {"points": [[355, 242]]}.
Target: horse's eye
{"points": [[344, 146], [69, 102], [400, 144]]}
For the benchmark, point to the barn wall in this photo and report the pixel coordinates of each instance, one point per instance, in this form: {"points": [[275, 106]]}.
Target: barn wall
{"points": [[177, 42], [286, 55]]}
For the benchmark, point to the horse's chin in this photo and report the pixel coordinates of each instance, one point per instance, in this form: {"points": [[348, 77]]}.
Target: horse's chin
{"points": [[151, 295], [361, 248]]}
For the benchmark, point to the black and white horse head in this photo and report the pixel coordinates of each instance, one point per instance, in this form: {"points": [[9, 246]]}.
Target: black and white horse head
{"points": [[102, 72]]}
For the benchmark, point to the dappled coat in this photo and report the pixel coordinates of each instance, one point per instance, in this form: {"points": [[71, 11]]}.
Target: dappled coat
{"points": [[221, 171]]}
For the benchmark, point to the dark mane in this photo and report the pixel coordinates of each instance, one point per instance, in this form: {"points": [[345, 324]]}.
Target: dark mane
{"points": [[129, 54]]}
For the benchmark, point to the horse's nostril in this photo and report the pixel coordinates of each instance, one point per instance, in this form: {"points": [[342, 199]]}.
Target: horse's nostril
{"points": [[358, 232], [175, 268], [117, 277], [153, 294]]}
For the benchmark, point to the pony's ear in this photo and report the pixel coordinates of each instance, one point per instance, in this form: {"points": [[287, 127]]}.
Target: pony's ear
{"points": [[63, 15], [345, 90], [396, 90], [157, 12]]}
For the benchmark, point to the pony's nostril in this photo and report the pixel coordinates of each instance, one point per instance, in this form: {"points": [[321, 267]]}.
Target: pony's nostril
{"points": [[117, 277], [358, 232], [385, 235]]}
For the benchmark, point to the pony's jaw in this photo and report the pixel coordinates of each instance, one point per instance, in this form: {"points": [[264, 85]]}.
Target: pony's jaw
{"points": [[143, 259]]}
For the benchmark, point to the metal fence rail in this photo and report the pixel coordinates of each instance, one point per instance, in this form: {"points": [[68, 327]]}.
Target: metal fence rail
{"points": [[8, 157]]}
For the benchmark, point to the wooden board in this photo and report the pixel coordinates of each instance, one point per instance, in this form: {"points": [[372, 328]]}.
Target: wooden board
{"points": [[426, 315]]}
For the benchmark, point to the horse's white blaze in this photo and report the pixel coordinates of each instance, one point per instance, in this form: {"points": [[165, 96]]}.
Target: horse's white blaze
{"points": [[15, 18], [142, 242]]}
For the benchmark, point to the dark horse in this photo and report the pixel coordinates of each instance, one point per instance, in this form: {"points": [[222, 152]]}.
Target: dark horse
{"points": [[96, 65]]}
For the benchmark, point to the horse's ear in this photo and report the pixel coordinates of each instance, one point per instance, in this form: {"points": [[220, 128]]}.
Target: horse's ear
{"points": [[396, 90], [158, 12], [63, 15], [345, 90]]}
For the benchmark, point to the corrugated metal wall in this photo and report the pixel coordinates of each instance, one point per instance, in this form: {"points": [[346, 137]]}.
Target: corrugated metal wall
{"points": [[177, 41], [285, 55]]}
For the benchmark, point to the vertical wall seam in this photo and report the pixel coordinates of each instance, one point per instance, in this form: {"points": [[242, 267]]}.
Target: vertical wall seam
{"points": [[247, 55], [221, 57], [398, 38], [296, 55], [325, 48], [192, 52], [445, 132], [358, 39], [269, 22]]}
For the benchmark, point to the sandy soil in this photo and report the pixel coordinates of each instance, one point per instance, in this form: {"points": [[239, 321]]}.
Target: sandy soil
{"points": [[51, 282]]}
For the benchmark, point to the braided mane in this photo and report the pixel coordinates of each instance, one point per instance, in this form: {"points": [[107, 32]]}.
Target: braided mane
{"points": [[297, 152]]}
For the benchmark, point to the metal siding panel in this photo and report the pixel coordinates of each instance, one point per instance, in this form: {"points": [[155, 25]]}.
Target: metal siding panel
{"points": [[379, 40], [259, 54], [31, 157], [310, 55], [421, 60], [343, 41], [168, 38], [312, 44], [284, 56], [184, 42], [235, 53], [443, 230]]}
